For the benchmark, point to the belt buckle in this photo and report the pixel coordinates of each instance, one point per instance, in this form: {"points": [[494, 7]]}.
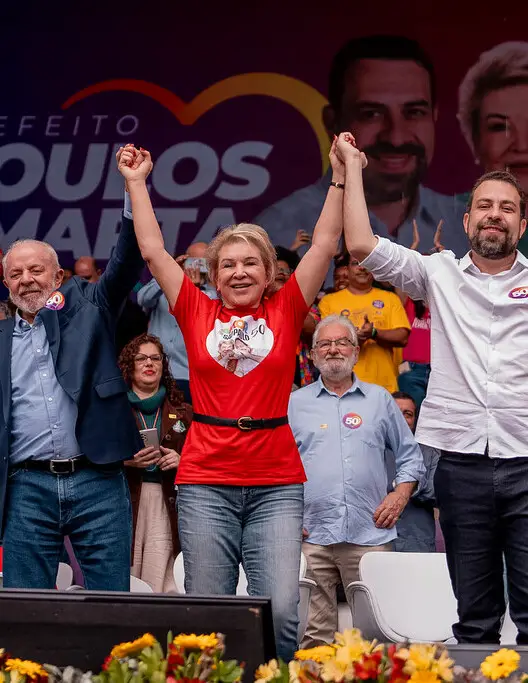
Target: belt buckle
{"points": [[244, 427], [53, 464]]}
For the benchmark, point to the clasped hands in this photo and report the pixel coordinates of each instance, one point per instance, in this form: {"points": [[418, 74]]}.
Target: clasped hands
{"points": [[168, 459]]}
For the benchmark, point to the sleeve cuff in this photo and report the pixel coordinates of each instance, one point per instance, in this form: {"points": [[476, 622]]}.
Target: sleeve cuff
{"points": [[127, 209]]}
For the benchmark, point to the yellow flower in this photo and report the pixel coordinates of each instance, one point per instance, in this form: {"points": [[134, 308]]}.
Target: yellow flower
{"points": [[424, 677], [336, 672], [194, 642], [267, 672], [24, 667], [419, 657], [500, 664], [443, 667], [124, 649], [350, 636], [319, 654]]}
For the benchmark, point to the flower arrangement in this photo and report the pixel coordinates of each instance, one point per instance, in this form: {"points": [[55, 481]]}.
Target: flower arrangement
{"points": [[352, 659], [191, 658]]}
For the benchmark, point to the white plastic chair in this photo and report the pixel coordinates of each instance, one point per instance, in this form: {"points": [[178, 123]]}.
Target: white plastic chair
{"points": [[64, 577], [406, 596], [305, 588], [139, 586]]}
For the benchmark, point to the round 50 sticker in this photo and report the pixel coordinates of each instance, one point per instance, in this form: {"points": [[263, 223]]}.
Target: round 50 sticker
{"points": [[352, 420], [519, 293]]}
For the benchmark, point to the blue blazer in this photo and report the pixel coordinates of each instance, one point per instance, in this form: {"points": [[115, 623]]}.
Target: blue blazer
{"points": [[81, 342]]}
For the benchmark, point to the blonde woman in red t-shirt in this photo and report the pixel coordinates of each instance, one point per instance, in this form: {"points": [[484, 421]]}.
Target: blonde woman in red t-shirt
{"points": [[240, 480]]}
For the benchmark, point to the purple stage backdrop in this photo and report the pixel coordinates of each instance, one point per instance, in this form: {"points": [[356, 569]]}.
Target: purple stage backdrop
{"points": [[227, 96]]}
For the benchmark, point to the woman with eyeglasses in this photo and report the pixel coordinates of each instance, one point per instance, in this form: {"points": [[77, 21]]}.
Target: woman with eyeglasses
{"points": [[157, 405]]}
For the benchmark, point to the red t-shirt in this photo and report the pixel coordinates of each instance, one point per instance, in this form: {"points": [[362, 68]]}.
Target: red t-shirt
{"points": [[418, 349], [241, 362]]}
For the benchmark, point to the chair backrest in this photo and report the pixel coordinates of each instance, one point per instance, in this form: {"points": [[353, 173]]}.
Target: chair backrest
{"points": [[139, 586], [413, 592], [64, 577], [179, 577], [242, 588]]}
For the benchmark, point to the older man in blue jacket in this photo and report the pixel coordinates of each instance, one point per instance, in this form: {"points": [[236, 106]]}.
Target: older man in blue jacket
{"points": [[65, 422]]}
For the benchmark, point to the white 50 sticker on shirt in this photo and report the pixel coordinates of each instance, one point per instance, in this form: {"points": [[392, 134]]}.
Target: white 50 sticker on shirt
{"points": [[352, 420], [241, 344]]}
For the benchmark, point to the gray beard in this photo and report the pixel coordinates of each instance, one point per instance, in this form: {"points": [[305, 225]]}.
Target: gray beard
{"points": [[336, 373], [33, 303]]}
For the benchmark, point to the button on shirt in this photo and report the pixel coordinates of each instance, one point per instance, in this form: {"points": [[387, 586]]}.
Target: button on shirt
{"points": [[43, 416], [479, 340], [342, 442]]}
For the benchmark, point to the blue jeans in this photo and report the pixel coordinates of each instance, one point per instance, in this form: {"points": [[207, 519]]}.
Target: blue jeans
{"points": [[415, 382], [91, 506], [258, 526]]}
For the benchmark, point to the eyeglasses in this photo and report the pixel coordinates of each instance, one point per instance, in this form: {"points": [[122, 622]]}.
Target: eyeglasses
{"points": [[283, 271], [141, 358], [326, 344]]}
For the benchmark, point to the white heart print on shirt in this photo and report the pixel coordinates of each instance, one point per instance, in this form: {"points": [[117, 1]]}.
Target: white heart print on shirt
{"points": [[240, 344]]}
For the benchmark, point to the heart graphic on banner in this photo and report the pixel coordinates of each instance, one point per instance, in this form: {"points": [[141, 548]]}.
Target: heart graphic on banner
{"points": [[305, 99]]}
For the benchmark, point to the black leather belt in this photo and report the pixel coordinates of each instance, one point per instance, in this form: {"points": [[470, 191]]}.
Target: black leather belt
{"points": [[66, 466], [245, 424]]}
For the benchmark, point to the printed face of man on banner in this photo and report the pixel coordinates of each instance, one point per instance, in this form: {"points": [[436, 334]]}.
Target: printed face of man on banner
{"points": [[388, 101]]}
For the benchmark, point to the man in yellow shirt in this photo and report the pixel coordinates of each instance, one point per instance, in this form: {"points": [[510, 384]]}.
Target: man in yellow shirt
{"points": [[380, 320]]}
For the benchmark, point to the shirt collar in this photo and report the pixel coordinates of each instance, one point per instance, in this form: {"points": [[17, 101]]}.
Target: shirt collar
{"points": [[357, 385], [466, 262], [22, 324]]}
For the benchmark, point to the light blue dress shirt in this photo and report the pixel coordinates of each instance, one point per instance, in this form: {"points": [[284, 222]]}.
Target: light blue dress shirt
{"points": [[163, 325], [342, 442], [43, 416], [302, 208]]}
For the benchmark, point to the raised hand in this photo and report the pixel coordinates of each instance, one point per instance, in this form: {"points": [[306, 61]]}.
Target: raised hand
{"points": [[438, 235], [302, 237], [416, 236], [133, 164], [346, 149], [337, 163]]}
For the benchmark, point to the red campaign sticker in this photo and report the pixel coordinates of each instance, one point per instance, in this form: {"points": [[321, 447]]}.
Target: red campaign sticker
{"points": [[519, 293], [352, 420]]}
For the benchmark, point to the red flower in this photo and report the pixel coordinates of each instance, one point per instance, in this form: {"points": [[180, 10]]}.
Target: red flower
{"points": [[175, 657], [368, 668], [397, 673], [107, 662], [170, 679]]}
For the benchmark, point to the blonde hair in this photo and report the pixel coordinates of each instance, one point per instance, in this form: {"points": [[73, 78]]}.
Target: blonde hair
{"points": [[252, 235], [502, 66]]}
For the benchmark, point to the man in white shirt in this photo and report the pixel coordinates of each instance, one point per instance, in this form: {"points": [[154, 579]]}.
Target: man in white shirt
{"points": [[474, 411]]}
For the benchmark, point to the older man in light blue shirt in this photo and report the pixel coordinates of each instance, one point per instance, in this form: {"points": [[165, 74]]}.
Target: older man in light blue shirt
{"points": [[342, 427]]}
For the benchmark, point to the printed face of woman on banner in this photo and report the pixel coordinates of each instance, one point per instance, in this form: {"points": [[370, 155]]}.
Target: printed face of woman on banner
{"points": [[493, 109]]}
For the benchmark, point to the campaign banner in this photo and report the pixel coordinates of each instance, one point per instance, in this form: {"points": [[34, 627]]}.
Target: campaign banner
{"points": [[231, 105]]}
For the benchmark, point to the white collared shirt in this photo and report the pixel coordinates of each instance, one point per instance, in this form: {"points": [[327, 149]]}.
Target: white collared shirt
{"points": [[478, 387]]}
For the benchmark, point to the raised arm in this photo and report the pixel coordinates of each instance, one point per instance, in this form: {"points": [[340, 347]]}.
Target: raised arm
{"points": [[135, 168], [359, 238], [312, 269], [386, 260]]}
